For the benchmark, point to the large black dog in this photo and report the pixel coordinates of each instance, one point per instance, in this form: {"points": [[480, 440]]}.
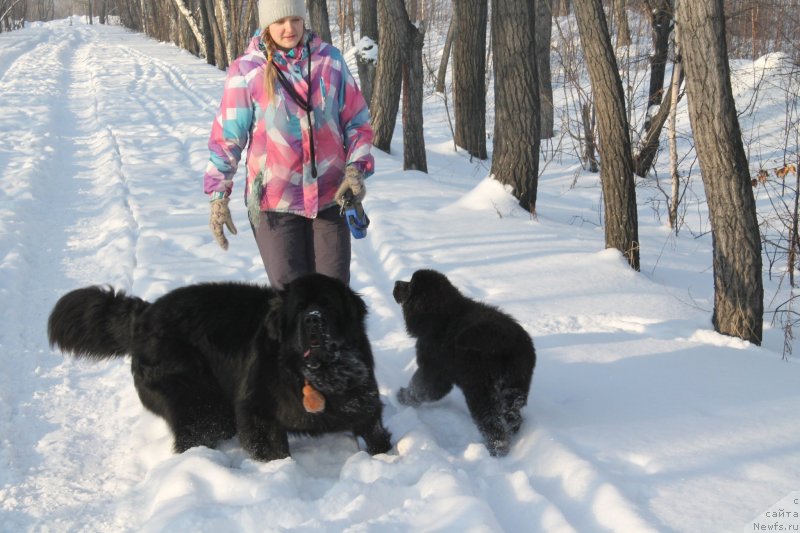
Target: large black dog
{"points": [[474, 346], [217, 359]]}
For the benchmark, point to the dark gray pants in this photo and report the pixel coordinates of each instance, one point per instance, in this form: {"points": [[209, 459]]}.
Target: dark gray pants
{"points": [[293, 245]]}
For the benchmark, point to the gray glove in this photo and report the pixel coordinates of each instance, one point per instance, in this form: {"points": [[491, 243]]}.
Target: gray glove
{"points": [[354, 182], [221, 216]]}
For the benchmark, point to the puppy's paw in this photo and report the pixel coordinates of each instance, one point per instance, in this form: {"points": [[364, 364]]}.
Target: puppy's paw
{"points": [[406, 396], [498, 447]]}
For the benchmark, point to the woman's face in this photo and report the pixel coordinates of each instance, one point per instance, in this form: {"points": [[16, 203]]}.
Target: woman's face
{"points": [[287, 32]]}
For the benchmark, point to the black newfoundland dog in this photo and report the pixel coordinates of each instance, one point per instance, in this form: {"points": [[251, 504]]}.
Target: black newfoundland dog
{"points": [[474, 346], [217, 359]]}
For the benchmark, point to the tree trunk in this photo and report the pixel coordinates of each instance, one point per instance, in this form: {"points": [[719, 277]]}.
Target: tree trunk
{"points": [[543, 34], [589, 152], [616, 165], [388, 75], [216, 37], [249, 25], [366, 58], [225, 30], [661, 16], [414, 157], [646, 155], [469, 68], [201, 41], [623, 30], [448, 43], [738, 288], [145, 26], [561, 8], [318, 16], [515, 158], [674, 90]]}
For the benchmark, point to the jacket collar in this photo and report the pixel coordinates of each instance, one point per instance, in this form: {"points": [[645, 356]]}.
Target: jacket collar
{"points": [[298, 53]]}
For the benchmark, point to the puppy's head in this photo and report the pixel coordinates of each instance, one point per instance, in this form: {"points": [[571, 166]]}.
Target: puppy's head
{"points": [[427, 290]]}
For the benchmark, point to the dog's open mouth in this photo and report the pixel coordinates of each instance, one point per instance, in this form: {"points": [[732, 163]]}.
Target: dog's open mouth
{"points": [[320, 347], [328, 364]]}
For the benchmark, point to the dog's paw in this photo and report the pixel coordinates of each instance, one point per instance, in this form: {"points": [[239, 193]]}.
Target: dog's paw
{"points": [[380, 445], [265, 453], [406, 396]]}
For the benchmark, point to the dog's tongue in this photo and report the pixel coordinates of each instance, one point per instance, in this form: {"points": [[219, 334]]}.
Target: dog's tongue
{"points": [[313, 400]]}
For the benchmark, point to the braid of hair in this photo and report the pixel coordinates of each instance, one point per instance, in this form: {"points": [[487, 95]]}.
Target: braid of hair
{"points": [[269, 71]]}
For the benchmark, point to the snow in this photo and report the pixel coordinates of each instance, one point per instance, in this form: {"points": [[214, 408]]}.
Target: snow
{"points": [[641, 417]]}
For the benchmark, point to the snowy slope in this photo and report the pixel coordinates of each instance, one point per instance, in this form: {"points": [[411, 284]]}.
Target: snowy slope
{"points": [[641, 418]]}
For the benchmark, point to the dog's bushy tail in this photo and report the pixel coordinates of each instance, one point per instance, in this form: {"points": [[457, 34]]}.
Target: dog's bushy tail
{"points": [[94, 322]]}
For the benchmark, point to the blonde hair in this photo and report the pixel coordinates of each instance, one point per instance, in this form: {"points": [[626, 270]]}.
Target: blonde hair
{"points": [[269, 71]]}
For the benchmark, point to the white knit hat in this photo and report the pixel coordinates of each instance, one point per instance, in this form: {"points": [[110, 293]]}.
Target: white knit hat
{"points": [[271, 10]]}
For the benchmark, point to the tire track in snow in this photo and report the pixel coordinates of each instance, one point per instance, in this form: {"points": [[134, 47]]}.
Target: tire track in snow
{"points": [[68, 210], [176, 79], [14, 45], [156, 116], [24, 150]]}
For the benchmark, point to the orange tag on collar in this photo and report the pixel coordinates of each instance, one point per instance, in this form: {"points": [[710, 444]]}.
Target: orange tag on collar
{"points": [[313, 400]]}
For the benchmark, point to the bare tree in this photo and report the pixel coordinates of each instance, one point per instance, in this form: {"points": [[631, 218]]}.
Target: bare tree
{"points": [[11, 16], [621, 22], [448, 44], [674, 90], [561, 8], [187, 15], [224, 18], [414, 157], [543, 33], [616, 165], [648, 147], [399, 67], [388, 78], [41, 9], [469, 69], [368, 21], [515, 160], [215, 42], [738, 286], [661, 21], [318, 15]]}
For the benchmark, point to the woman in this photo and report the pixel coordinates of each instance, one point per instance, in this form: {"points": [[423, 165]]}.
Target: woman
{"points": [[291, 100]]}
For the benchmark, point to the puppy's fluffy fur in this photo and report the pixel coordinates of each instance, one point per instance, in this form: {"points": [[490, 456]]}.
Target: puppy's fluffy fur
{"points": [[218, 359], [474, 346]]}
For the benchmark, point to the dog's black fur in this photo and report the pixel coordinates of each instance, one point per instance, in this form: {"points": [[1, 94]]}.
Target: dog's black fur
{"points": [[217, 359], [478, 348]]}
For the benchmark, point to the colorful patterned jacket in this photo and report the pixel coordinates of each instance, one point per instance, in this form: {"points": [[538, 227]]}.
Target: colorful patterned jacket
{"points": [[279, 175]]}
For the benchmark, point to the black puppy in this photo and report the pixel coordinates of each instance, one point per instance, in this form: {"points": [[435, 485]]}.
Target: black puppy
{"points": [[217, 359], [474, 346]]}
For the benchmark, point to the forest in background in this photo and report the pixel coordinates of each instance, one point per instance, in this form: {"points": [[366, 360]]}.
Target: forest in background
{"points": [[603, 53]]}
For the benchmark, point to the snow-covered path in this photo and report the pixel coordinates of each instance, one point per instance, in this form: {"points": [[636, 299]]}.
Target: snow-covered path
{"points": [[640, 419]]}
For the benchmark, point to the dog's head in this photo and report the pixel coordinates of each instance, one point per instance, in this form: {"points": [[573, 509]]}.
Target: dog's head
{"points": [[428, 290], [321, 320]]}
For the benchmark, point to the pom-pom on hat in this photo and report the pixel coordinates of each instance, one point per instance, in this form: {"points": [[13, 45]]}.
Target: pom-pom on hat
{"points": [[271, 10]]}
